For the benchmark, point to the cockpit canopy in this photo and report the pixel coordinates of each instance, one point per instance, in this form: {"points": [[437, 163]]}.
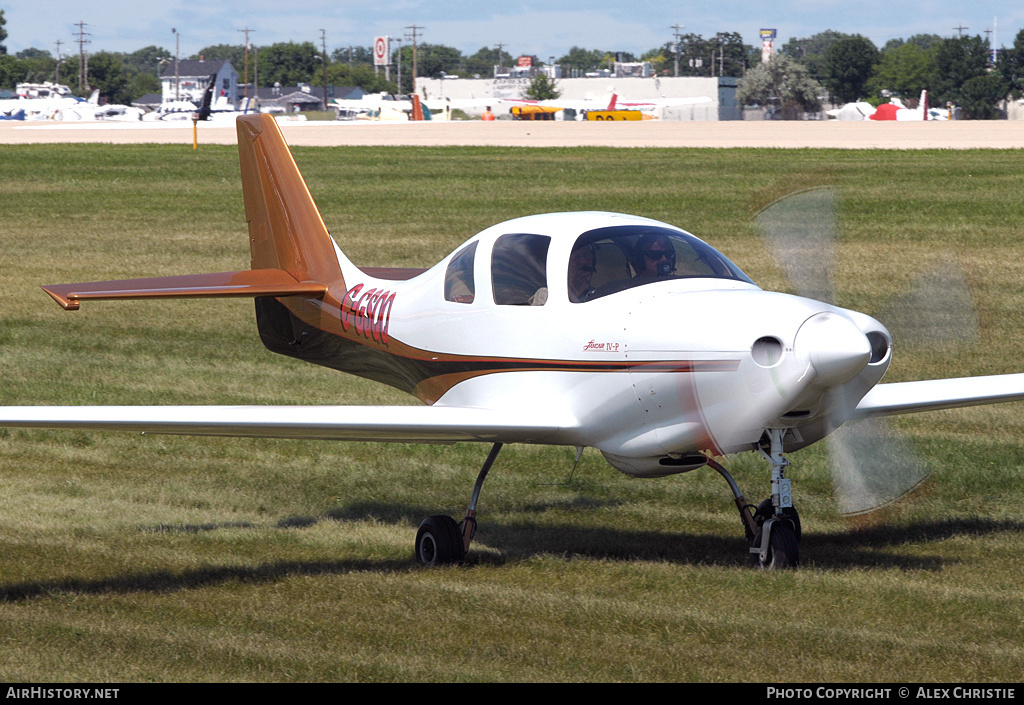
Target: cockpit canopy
{"points": [[602, 261], [625, 256]]}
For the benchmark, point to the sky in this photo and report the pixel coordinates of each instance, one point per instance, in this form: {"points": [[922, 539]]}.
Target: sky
{"points": [[544, 28]]}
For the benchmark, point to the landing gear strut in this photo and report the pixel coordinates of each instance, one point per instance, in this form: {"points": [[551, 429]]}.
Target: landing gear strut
{"points": [[776, 543], [441, 540], [773, 528]]}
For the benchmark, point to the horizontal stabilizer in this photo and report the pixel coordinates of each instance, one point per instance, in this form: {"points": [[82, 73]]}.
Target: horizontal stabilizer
{"points": [[404, 424], [250, 282], [934, 394]]}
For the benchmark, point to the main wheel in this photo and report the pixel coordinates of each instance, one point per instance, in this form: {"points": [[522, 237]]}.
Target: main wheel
{"points": [[439, 541], [783, 548]]}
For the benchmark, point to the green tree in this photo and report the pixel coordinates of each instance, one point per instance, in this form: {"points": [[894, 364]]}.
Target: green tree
{"points": [[696, 55], [353, 56], [661, 59], [431, 61], [1011, 65], [542, 88], [958, 60], [581, 60], [37, 65], [11, 71], [361, 75], [904, 71], [847, 66], [783, 83], [235, 53], [810, 51], [482, 63], [980, 97], [288, 63], [923, 41], [107, 75]]}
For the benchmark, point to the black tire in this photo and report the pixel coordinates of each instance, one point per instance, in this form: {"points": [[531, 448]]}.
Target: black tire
{"points": [[439, 541], [783, 551], [765, 510]]}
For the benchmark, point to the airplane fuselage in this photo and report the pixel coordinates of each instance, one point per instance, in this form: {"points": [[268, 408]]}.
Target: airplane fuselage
{"points": [[652, 374]]}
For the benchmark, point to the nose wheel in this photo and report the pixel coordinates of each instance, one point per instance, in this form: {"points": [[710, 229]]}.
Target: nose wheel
{"points": [[773, 529]]}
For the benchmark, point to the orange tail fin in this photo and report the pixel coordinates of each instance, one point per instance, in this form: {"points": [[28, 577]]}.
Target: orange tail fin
{"points": [[285, 228]]}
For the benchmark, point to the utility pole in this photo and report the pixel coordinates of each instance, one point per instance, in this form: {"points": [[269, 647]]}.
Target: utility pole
{"points": [[56, 75], [675, 47], [246, 33], [500, 46], [960, 31], [398, 66], [413, 31], [177, 45], [323, 41], [83, 60]]}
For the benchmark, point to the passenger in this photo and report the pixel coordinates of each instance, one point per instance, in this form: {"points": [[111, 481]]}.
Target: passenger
{"points": [[581, 270], [654, 256]]}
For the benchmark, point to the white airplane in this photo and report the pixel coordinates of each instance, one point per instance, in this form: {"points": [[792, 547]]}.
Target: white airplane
{"points": [[893, 110], [44, 101], [584, 329]]}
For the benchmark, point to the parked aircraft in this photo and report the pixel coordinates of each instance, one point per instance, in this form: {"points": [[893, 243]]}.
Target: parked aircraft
{"points": [[581, 108], [210, 108], [42, 101], [893, 110], [656, 349]]}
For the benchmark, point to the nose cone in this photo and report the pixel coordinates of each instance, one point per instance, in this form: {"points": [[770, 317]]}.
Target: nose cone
{"points": [[837, 349]]}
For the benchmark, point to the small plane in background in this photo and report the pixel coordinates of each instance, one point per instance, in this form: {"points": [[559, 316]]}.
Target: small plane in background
{"points": [[384, 107], [583, 329], [893, 110], [45, 101], [594, 109]]}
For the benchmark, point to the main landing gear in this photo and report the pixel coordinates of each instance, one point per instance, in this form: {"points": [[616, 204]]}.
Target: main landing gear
{"points": [[773, 528], [441, 540]]}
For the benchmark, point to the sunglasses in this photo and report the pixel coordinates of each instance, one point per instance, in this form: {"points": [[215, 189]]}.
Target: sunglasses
{"points": [[655, 255]]}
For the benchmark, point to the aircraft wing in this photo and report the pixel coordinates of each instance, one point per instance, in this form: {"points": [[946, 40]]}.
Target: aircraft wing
{"points": [[933, 394], [403, 424], [663, 102]]}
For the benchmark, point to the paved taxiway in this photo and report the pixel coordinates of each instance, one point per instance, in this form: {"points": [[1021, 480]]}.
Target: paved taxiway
{"points": [[999, 134]]}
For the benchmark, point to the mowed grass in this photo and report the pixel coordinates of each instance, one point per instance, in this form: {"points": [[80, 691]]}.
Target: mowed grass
{"points": [[156, 558]]}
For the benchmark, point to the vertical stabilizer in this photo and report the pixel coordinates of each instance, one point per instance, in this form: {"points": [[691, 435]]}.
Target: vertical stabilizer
{"points": [[285, 228]]}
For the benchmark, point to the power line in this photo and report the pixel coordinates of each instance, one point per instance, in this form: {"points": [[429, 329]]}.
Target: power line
{"points": [[246, 32], [675, 47], [413, 30], [83, 60]]}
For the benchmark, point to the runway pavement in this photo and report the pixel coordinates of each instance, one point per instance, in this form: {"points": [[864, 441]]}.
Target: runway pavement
{"points": [[1000, 134]]}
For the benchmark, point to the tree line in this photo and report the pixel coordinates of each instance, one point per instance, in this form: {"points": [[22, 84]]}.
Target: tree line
{"points": [[843, 68]]}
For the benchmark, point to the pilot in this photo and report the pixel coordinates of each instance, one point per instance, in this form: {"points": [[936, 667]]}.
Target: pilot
{"points": [[581, 270], [654, 256]]}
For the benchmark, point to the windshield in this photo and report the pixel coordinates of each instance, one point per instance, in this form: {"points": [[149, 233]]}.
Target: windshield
{"points": [[608, 260]]}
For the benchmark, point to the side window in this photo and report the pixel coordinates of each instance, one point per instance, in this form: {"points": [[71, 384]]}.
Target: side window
{"points": [[459, 285], [519, 269]]}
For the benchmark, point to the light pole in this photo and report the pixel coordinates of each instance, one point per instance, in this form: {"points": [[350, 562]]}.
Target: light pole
{"points": [[177, 46]]}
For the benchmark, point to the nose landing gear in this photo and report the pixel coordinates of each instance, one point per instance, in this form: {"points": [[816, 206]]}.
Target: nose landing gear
{"points": [[773, 529]]}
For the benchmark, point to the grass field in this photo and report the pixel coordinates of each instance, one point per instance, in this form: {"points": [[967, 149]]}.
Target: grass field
{"points": [[144, 558]]}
